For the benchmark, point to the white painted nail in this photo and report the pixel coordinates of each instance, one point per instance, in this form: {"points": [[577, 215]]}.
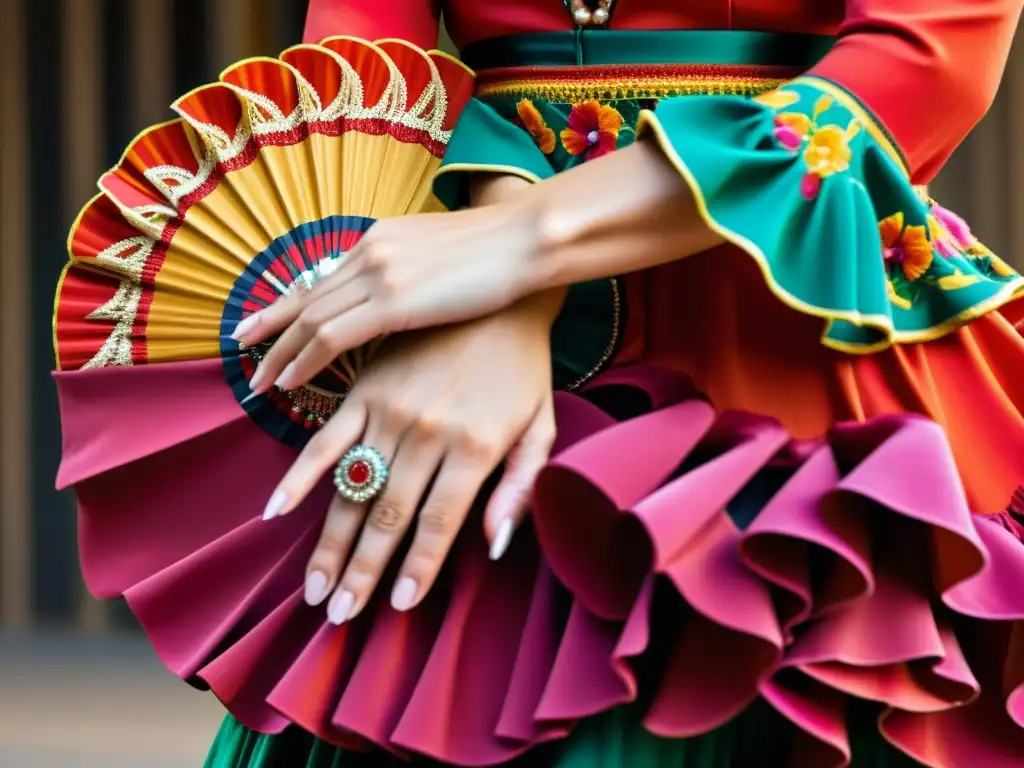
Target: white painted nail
{"points": [[404, 594], [249, 398], [276, 505], [245, 326], [340, 607], [256, 380], [502, 538], [282, 380], [316, 588]]}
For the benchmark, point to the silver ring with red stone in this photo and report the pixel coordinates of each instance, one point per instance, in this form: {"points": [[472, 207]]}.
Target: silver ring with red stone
{"points": [[361, 474]]}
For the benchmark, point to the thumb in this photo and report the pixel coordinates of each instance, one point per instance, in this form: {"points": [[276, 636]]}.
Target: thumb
{"points": [[511, 498]]}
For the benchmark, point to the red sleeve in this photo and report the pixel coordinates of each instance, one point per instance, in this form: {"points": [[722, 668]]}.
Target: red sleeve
{"points": [[413, 20], [927, 69]]}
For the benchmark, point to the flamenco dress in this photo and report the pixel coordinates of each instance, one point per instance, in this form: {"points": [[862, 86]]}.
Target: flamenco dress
{"points": [[779, 525]]}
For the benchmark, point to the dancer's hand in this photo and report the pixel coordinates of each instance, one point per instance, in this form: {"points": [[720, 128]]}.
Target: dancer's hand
{"points": [[444, 407], [431, 269], [405, 273]]}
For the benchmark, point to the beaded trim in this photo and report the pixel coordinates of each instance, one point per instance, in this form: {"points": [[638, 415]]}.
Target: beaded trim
{"points": [[613, 340], [572, 85]]}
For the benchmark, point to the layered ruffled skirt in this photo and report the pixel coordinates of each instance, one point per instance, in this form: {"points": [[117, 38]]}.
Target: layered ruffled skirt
{"points": [[777, 529]]}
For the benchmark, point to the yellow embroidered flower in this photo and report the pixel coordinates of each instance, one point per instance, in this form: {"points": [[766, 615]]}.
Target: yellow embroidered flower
{"points": [[798, 121], [778, 99], [534, 123], [905, 247], [828, 151], [895, 298]]}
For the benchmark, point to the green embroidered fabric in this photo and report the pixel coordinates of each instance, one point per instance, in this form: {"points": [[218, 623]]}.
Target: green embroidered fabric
{"points": [[801, 178]]}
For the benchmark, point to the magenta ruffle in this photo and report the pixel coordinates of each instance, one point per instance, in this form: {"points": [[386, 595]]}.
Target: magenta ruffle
{"points": [[866, 575]]}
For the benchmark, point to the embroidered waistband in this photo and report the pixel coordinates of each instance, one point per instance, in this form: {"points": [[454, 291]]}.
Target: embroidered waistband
{"points": [[571, 85]]}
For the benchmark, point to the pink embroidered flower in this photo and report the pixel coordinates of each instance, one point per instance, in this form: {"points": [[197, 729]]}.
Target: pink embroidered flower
{"points": [[593, 130], [945, 244], [954, 225], [792, 129]]}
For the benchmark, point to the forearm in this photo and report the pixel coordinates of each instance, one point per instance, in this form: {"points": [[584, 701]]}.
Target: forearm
{"points": [[544, 304], [621, 213]]}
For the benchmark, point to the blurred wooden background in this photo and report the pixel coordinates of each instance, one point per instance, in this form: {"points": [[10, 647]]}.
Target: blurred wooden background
{"points": [[79, 79]]}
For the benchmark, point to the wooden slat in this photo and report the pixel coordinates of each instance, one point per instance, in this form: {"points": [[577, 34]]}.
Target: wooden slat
{"points": [[987, 177], [231, 32], [81, 81], [152, 62], [1013, 86], [15, 530]]}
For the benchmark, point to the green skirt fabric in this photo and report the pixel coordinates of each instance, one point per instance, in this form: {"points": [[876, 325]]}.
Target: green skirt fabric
{"points": [[756, 739]]}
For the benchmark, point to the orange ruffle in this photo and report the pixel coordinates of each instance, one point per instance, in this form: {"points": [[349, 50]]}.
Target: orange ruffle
{"points": [[713, 318]]}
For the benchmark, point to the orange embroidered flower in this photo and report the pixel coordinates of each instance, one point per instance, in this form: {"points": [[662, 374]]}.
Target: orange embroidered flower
{"points": [[593, 129], [906, 247], [534, 123]]}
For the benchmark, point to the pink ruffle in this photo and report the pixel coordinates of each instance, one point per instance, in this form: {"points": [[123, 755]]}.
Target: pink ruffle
{"points": [[865, 575]]}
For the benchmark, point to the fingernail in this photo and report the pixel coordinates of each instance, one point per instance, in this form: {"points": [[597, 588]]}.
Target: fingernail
{"points": [[244, 326], [316, 588], [502, 538], [257, 380], [249, 398], [276, 505], [283, 381], [340, 607], [403, 594]]}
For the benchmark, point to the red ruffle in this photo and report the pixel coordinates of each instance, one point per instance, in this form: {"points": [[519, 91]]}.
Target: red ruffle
{"points": [[865, 575]]}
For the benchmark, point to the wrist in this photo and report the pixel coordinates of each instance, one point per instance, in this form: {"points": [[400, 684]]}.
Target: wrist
{"points": [[580, 233], [536, 311]]}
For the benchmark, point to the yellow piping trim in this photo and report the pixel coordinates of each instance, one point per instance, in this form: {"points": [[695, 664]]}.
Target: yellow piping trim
{"points": [[510, 170], [139, 137], [445, 55], [648, 121], [198, 89], [870, 124], [243, 62], [53, 322]]}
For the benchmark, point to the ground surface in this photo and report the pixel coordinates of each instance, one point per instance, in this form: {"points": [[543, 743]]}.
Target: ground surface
{"points": [[98, 702]]}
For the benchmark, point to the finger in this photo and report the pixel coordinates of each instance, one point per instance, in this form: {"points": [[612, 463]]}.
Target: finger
{"points": [[386, 523], [354, 327], [321, 453], [440, 520], [262, 325], [310, 327], [341, 527], [512, 496]]}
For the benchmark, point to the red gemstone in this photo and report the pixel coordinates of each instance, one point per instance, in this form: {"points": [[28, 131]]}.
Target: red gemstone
{"points": [[359, 472]]}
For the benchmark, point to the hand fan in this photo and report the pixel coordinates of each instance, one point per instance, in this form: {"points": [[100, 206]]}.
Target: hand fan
{"points": [[260, 187]]}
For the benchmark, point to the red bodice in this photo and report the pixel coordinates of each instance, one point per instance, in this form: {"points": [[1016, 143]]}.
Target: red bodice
{"points": [[470, 20], [928, 69]]}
